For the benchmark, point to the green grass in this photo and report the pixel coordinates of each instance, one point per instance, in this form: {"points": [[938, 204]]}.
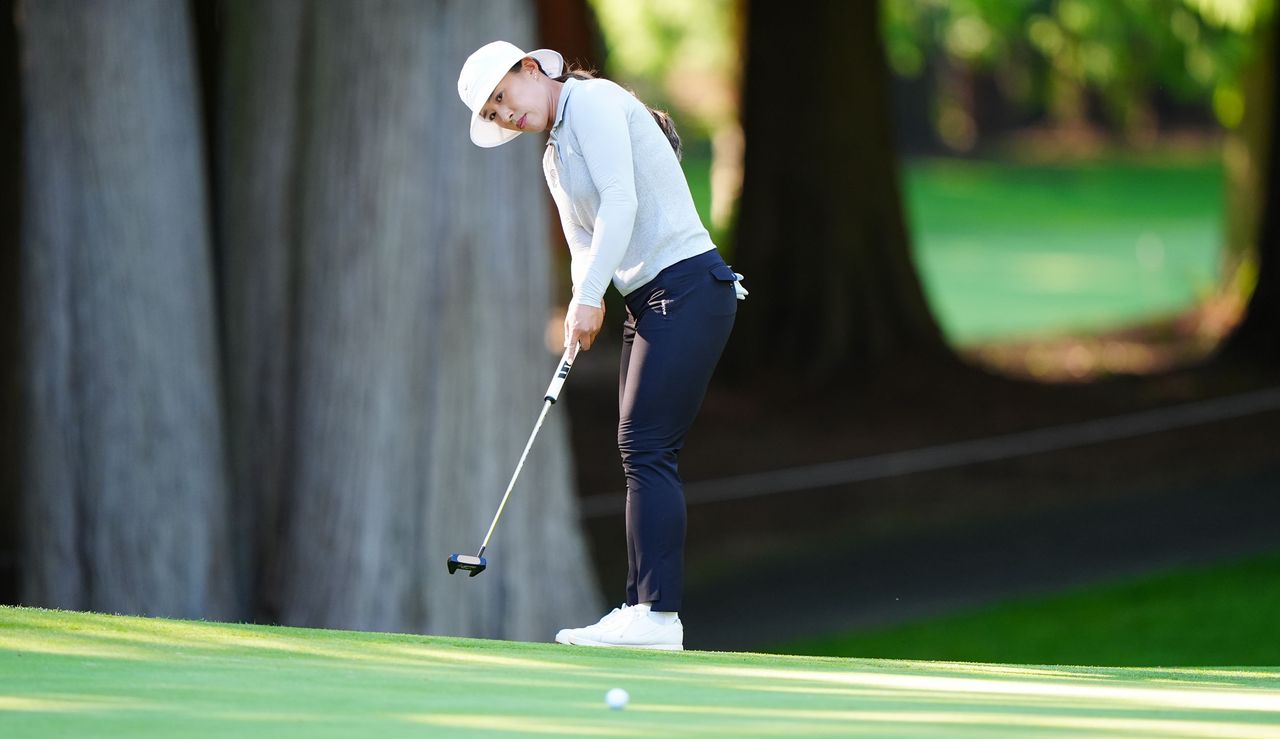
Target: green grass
{"points": [[77, 674], [1007, 251], [1227, 613], [1011, 250]]}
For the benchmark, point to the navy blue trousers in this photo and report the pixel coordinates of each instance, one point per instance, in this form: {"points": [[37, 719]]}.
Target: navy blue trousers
{"points": [[676, 328]]}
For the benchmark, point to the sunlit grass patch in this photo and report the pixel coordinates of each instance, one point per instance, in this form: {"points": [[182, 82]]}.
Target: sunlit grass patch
{"points": [[89, 674]]}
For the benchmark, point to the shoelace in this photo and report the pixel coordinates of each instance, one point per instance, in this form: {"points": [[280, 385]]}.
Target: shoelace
{"points": [[611, 615]]}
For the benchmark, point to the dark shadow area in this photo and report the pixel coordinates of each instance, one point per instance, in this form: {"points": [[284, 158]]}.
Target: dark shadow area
{"points": [[10, 303], [837, 586], [911, 545]]}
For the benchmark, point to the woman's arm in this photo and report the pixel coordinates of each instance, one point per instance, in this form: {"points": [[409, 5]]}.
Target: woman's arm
{"points": [[604, 136], [581, 322], [575, 233]]}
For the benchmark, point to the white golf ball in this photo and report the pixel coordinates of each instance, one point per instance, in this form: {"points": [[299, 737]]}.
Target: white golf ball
{"points": [[617, 698]]}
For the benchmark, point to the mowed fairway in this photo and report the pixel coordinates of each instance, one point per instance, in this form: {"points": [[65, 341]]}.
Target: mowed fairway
{"points": [[76, 674]]}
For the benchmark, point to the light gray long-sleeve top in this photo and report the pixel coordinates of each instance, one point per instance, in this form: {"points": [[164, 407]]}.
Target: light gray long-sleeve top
{"points": [[623, 199]]}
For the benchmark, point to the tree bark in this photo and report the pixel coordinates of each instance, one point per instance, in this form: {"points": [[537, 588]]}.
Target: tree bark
{"points": [[820, 233], [570, 27], [10, 305], [387, 290], [1258, 336], [124, 489], [258, 133]]}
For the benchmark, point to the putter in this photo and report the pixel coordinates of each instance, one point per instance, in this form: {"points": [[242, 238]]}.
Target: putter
{"points": [[476, 564]]}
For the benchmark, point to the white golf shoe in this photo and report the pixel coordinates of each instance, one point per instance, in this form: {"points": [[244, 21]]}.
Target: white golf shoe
{"points": [[628, 626], [563, 635]]}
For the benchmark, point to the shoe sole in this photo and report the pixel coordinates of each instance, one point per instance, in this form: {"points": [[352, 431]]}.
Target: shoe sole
{"points": [[590, 643]]}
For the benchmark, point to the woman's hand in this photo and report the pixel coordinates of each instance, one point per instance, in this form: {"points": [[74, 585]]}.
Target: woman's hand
{"points": [[582, 323]]}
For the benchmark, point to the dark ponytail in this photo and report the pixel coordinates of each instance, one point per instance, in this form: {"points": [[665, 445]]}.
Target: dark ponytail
{"points": [[668, 127], [661, 117]]}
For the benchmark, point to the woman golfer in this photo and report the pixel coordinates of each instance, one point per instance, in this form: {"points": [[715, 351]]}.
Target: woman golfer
{"points": [[629, 218]]}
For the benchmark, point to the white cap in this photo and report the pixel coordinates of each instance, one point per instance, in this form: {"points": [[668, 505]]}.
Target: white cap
{"points": [[482, 72]]}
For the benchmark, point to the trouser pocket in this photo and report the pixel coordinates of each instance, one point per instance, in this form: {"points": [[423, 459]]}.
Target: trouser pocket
{"points": [[724, 300]]}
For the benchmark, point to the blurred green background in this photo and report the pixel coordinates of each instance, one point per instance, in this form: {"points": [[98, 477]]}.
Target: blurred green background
{"points": [[1010, 250], [1070, 167], [1080, 184]]}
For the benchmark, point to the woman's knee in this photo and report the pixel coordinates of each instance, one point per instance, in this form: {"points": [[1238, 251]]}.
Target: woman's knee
{"points": [[646, 456], [642, 450]]}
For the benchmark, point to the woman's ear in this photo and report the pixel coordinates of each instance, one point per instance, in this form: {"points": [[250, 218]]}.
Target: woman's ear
{"points": [[528, 64]]}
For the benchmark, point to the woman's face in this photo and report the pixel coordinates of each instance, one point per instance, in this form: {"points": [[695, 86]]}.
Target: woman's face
{"points": [[521, 101]]}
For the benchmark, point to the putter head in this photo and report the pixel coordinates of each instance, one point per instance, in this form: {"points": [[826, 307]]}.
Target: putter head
{"points": [[474, 565]]}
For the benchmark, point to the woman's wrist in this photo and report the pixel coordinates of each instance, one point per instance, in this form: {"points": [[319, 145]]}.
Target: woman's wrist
{"points": [[576, 300]]}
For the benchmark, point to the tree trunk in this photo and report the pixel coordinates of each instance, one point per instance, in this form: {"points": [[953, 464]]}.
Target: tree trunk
{"points": [[257, 125], [125, 491], [10, 305], [1258, 336], [387, 290], [570, 27], [820, 233]]}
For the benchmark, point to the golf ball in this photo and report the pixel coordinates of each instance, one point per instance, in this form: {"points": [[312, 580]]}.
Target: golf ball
{"points": [[616, 698]]}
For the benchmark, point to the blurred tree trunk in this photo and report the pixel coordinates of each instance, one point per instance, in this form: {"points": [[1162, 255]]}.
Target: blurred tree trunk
{"points": [[1258, 336], [257, 124], [387, 289], [125, 491], [820, 233], [570, 27], [10, 305], [1244, 158]]}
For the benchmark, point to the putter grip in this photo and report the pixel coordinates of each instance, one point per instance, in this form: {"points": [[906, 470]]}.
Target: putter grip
{"points": [[562, 372]]}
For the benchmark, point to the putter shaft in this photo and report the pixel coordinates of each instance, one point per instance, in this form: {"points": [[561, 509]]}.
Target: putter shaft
{"points": [[546, 406], [553, 392]]}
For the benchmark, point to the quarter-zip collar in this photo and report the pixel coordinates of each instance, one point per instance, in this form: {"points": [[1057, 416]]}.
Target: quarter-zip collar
{"points": [[564, 98]]}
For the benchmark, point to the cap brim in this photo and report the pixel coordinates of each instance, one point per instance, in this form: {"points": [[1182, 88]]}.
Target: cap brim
{"points": [[488, 134]]}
